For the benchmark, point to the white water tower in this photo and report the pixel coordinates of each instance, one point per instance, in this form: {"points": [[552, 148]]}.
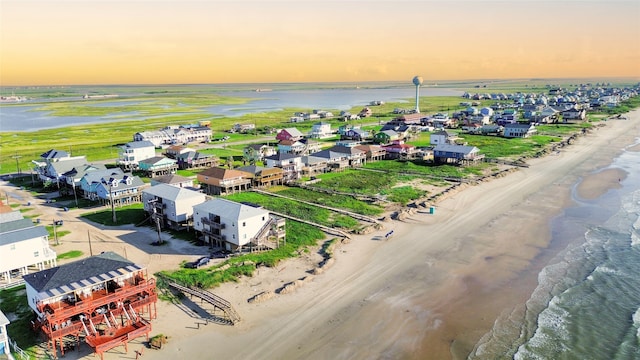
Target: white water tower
{"points": [[417, 81]]}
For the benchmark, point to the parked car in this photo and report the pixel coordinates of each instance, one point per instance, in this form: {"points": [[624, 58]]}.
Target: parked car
{"points": [[196, 264], [202, 261]]}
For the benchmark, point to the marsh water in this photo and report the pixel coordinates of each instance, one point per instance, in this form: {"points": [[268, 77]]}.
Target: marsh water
{"points": [[261, 98]]}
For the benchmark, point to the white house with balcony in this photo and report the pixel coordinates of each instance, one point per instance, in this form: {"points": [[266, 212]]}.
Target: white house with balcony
{"points": [[53, 164], [234, 226], [321, 130], [133, 152], [172, 205], [112, 185], [24, 246], [290, 164]]}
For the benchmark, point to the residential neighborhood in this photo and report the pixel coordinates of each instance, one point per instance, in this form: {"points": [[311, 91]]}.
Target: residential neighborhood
{"points": [[250, 195]]}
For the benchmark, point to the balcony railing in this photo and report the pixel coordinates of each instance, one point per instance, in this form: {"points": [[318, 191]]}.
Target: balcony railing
{"points": [[61, 311]]}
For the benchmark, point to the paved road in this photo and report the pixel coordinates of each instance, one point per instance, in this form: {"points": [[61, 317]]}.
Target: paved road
{"points": [[129, 241]]}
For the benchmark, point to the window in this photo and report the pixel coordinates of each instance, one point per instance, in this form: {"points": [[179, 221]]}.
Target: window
{"points": [[13, 246], [244, 223], [36, 253]]}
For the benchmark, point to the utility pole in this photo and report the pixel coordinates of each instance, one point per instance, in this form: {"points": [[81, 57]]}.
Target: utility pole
{"points": [[16, 156], [113, 209], [156, 218], [75, 196], [55, 232], [89, 237], [158, 227]]}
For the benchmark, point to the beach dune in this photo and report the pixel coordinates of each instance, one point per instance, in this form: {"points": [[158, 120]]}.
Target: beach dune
{"points": [[431, 291]]}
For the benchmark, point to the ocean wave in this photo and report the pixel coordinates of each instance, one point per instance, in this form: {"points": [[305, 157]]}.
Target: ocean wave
{"points": [[636, 323], [551, 335], [607, 270], [586, 302]]}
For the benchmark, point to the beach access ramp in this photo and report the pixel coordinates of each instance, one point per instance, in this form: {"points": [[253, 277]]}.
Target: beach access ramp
{"points": [[231, 316]]}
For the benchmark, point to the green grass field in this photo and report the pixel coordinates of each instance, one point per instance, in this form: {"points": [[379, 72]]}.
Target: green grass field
{"points": [[151, 108]]}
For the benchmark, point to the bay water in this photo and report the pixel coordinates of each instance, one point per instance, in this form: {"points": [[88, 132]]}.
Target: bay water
{"points": [[27, 116]]}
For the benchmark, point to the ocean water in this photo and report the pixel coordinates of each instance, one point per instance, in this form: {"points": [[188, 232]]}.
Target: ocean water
{"points": [[587, 302]]}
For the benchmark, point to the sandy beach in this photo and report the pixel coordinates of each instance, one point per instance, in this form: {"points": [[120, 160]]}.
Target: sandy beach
{"points": [[429, 292]]}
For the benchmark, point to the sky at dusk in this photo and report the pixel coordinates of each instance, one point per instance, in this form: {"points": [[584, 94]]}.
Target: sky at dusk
{"points": [[54, 42]]}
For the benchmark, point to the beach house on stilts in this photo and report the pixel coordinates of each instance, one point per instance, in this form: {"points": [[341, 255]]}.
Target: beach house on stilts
{"points": [[101, 299]]}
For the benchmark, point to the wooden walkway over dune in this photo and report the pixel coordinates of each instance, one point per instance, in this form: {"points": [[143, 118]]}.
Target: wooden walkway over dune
{"points": [[232, 316]]}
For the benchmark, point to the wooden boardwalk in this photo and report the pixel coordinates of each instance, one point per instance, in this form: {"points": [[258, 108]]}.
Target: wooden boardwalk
{"points": [[215, 300], [340, 211]]}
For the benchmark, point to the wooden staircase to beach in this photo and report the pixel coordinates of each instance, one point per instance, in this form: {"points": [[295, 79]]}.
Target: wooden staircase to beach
{"points": [[232, 316]]}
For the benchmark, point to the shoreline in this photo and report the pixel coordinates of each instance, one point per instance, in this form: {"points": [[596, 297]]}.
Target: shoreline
{"points": [[460, 270], [432, 290]]}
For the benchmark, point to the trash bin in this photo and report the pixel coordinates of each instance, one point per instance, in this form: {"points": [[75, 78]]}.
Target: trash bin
{"points": [[66, 209], [37, 221], [432, 210], [29, 203]]}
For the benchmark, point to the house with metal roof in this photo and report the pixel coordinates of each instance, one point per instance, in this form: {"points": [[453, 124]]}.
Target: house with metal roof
{"points": [[171, 206], [234, 226], [196, 160], [102, 297], [157, 166], [313, 165], [456, 154], [519, 130], [289, 134], [131, 153], [173, 180], [341, 157], [73, 176], [321, 130], [290, 164], [112, 185], [53, 169], [443, 137], [386, 136], [357, 134], [175, 134], [23, 245]]}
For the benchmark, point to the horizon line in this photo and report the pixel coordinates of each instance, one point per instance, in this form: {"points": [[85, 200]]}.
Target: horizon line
{"points": [[431, 81]]}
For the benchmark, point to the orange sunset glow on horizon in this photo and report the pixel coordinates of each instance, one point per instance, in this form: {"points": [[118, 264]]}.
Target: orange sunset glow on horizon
{"points": [[178, 42]]}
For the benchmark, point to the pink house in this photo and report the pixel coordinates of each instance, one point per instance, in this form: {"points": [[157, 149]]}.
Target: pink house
{"points": [[399, 150], [289, 134]]}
